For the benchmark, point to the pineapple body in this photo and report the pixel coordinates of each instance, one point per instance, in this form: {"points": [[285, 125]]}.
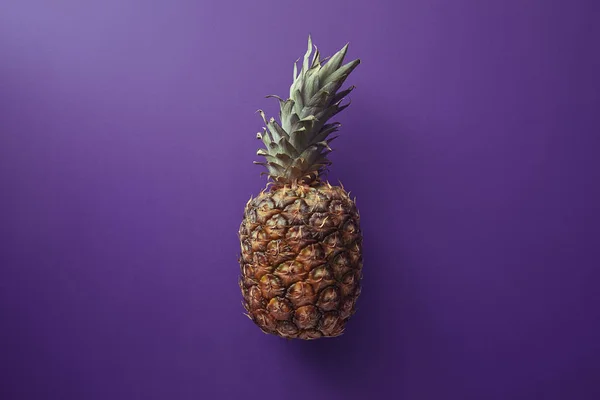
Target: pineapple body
{"points": [[301, 260]]}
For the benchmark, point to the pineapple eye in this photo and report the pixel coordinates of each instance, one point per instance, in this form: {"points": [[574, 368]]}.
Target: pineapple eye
{"points": [[336, 206], [279, 308], [311, 252], [329, 298], [306, 317], [277, 221], [333, 241], [270, 286], [266, 204], [301, 293]]}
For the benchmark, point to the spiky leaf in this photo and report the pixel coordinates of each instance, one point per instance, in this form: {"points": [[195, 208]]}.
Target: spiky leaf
{"points": [[298, 146]]}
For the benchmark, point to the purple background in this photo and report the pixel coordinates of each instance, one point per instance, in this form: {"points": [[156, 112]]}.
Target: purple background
{"points": [[127, 141]]}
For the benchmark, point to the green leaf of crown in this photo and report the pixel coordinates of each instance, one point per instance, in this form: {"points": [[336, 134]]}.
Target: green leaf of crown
{"points": [[296, 148]]}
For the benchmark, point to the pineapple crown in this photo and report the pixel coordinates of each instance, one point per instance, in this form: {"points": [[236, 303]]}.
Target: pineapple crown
{"points": [[296, 148]]}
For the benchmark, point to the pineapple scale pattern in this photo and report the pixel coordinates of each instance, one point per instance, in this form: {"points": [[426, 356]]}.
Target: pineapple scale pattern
{"points": [[301, 260]]}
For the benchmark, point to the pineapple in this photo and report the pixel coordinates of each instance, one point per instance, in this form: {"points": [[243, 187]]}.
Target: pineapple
{"points": [[301, 243]]}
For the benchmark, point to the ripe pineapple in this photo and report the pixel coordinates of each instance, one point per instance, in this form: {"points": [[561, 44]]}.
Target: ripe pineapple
{"points": [[301, 244]]}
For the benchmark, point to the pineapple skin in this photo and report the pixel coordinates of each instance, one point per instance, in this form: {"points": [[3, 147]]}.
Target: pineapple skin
{"points": [[301, 260]]}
